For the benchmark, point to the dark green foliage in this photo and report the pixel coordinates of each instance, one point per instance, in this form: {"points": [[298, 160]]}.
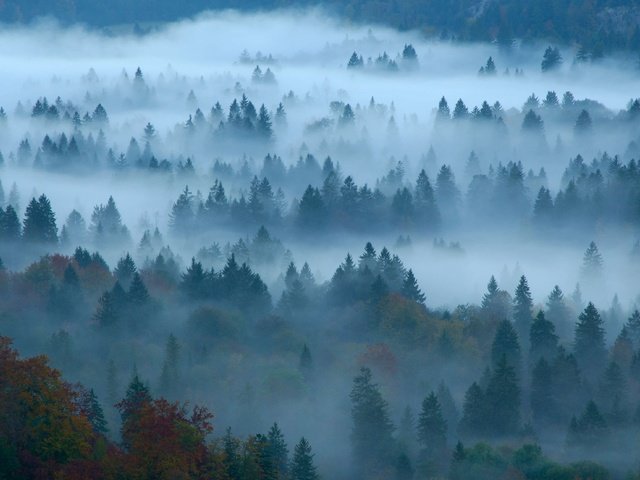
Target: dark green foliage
{"points": [[411, 290], [125, 270], [522, 309], [589, 344], [552, 60], [589, 430], [371, 435], [40, 222], [503, 400], [543, 340], [432, 436], [278, 453], [506, 345], [302, 467]]}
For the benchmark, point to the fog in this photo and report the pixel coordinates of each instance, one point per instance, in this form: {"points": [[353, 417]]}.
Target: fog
{"points": [[396, 130]]}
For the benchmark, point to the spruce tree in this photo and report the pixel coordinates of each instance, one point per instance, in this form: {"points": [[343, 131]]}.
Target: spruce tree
{"points": [[302, 467], [522, 307], [371, 435], [474, 414], [124, 271], [411, 290], [506, 345], [558, 314], [589, 344], [592, 262], [543, 406], [503, 399], [432, 435], [543, 340], [278, 452]]}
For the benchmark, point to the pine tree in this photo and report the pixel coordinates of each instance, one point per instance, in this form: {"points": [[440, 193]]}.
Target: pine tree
{"points": [[449, 410], [590, 430], [264, 126], [503, 399], [94, 412], [558, 314], [306, 363], [170, 369], [432, 435], [543, 340], [136, 397], [551, 59], [592, 262], [474, 414], [371, 435], [138, 295], [107, 313], [302, 467], [522, 307], [589, 344], [506, 345], [40, 222], [411, 290], [583, 124], [543, 404], [125, 270], [277, 452]]}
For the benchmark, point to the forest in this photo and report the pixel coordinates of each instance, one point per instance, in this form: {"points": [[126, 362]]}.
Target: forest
{"points": [[368, 255], [599, 27]]}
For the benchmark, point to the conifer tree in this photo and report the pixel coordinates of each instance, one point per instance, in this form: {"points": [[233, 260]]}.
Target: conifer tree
{"points": [[474, 415], [503, 399], [278, 452], [371, 436], [592, 262], [411, 290], [543, 340], [302, 466], [589, 344], [522, 307], [125, 270], [40, 222], [432, 435], [558, 314], [506, 345]]}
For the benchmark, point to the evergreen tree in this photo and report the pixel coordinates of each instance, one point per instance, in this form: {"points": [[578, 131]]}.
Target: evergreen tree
{"points": [[411, 290], [583, 124], [558, 314], [474, 415], [590, 430], [264, 126], [551, 59], [138, 295], [306, 363], [278, 452], [503, 399], [543, 404], [543, 340], [592, 262], [10, 229], [40, 222], [125, 270], [371, 435], [302, 467], [94, 412], [505, 345], [522, 307], [589, 344], [170, 370], [432, 435]]}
